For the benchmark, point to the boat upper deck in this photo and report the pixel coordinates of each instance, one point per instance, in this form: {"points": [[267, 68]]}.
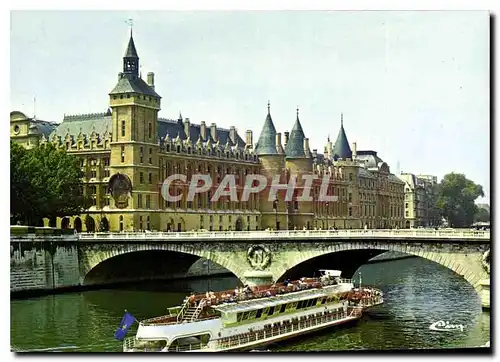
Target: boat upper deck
{"points": [[247, 293], [278, 299]]}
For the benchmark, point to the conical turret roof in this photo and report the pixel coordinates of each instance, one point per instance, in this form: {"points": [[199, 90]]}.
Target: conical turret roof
{"points": [[295, 145], [341, 149], [267, 139], [131, 52]]}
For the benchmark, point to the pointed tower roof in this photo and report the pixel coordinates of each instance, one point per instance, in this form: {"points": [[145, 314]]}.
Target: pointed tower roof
{"points": [[129, 80], [295, 146], [131, 52], [341, 149], [267, 139]]}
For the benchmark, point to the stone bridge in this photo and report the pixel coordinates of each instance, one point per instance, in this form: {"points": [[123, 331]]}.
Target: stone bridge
{"points": [[257, 256], [261, 256]]}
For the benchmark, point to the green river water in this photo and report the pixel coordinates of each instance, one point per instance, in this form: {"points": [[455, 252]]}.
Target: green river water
{"points": [[417, 294]]}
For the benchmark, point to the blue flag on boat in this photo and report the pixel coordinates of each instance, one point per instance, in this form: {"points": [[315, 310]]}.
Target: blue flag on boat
{"points": [[127, 320]]}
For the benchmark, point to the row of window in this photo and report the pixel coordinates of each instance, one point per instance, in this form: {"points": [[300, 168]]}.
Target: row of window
{"points": [[146, 224], [282, 308], [80, 145], [230, 219], [203, 152], [139, 201], [141, 155], [150, 129], [93, 162], [93, 173], [141, 178], [205, 203]]}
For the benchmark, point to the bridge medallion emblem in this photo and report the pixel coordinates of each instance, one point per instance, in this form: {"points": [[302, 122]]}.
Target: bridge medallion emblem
{"points": [[259, 257]]}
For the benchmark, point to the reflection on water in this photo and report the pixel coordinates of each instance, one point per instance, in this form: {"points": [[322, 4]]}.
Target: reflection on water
{"points": [[417, 293]]}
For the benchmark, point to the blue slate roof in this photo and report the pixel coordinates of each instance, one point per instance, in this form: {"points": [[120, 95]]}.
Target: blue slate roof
{"points": [[85, 123], [341, 149], [130, 83], [176, 127], [42, 127], [267, 139], [101, 122], [295, 146], [370, 157], [131, 52]]}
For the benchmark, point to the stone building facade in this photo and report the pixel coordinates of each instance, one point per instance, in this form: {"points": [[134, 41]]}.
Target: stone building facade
{"points": [[128, 151], [420, 196]]}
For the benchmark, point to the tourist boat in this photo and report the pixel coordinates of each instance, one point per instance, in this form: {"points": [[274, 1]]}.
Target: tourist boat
{"points": [[251, 317]]}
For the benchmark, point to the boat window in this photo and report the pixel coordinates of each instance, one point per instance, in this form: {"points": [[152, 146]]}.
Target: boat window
{"points": [[283, 307], [152, 345], [323, 301], [259, 313], [252, 314], [245, 316], [299, 305], [266, 311], [240, 315], [271, 311], [292, 305], [313, 302]]}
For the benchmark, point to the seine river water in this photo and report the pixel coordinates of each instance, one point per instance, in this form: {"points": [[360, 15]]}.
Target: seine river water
{"points": [[417, 294]]}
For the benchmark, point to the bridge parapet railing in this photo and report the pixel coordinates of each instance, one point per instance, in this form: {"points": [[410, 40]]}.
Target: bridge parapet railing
{"points": [[44, 238], [291, 234]]}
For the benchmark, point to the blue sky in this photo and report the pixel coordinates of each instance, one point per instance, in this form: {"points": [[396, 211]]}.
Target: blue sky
{"points": [[413, 86]]}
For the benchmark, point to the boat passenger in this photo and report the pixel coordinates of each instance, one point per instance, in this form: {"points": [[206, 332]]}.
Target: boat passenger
{"points": [[192, 301]]}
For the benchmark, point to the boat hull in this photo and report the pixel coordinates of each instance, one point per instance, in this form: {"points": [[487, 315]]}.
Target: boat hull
{"points": [[290, 335]]}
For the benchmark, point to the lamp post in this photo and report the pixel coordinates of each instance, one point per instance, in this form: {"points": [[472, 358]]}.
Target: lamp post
{"points": [[275, 206], [360, 282]]}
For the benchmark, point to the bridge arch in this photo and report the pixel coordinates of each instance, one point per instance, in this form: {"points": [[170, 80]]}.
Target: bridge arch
{"points": [[467, 265], [92, 256]]}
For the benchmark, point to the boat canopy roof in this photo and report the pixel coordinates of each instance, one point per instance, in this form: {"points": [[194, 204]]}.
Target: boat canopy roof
{"points": [[330, 272], [255, 304]]}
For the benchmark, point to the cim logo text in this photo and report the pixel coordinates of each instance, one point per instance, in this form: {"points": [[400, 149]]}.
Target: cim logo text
{"points": [[446, 326]]}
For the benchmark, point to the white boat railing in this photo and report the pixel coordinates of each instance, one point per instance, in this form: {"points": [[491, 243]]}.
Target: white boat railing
{"points": [[291, 234], [262, 334]]}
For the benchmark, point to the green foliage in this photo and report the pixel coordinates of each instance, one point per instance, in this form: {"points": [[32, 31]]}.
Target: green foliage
{"points": [[482, 215], [455, 199], [45, 182]]}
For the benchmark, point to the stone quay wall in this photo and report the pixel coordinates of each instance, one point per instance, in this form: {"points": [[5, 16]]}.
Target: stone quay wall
{"points": [[43, 264]]}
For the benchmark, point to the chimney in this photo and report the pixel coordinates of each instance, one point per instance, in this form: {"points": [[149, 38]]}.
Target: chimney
{"points": [[203, 131], [120, 76], [287, 135], [213, 131], [279, 146], [354, 150], [232, 134], [307, 151], [315, 153], [249, 139], [151, 80], [187, 126]]}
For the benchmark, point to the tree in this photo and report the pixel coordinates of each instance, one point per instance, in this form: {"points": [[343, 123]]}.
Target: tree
{"points": [[45, 182], [455, 199], [482, 215]]}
